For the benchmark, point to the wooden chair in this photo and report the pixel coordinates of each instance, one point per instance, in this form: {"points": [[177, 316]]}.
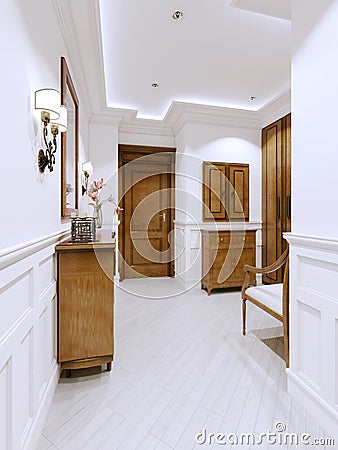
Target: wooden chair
{"points": [[272, 298]]}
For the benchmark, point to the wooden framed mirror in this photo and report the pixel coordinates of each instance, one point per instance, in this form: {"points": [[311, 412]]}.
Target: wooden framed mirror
{"points": [[69, 145]]}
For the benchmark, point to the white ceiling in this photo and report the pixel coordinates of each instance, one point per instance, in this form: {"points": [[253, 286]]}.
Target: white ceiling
{"points": [[218, 54]]}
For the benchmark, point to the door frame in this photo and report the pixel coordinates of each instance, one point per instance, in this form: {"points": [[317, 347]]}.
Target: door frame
{"points": [[127, 153]]}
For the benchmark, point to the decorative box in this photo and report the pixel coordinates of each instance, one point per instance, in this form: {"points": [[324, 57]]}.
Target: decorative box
{"points": [[83, 229]]}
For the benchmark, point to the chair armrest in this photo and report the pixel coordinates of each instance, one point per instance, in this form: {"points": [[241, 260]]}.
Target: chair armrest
{"points": [[271, 268]]}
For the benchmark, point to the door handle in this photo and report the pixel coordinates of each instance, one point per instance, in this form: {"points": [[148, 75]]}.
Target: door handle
{"points": [[278, 207], [163, 217], [288, 206]]}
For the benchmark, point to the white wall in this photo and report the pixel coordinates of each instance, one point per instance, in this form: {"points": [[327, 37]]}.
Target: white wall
{"points": [[313, 373], [198, 143], [314, 117], [103, 153], [31, 46]]}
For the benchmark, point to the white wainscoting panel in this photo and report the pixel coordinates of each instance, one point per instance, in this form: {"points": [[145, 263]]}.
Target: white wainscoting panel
{"points": [[309, 338], [28, 367], [313, 372]]}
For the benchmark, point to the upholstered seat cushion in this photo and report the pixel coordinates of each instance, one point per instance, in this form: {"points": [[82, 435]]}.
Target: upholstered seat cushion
{"points": [[270, 295]]}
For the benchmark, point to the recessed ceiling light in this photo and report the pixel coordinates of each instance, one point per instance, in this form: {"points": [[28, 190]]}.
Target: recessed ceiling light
{"points": [[154, 85], [177, 15], [253, 98]]}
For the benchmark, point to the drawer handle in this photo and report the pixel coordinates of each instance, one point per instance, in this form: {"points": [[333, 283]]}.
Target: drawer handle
{"points": [[221, 239]]}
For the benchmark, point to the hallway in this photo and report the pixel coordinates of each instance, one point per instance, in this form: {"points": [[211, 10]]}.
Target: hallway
{"points": [[181, 365]]}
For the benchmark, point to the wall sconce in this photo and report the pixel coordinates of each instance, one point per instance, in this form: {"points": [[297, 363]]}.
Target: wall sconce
{"points": [[87, 170], [48, 101]]}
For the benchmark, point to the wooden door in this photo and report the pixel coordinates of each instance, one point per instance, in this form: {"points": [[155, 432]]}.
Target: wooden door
{"points": [[238, 195], [287, 176], [147, 183], [272, 197]]}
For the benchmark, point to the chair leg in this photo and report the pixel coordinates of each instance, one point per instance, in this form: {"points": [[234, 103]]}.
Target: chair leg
{"points": [[244, 316]]}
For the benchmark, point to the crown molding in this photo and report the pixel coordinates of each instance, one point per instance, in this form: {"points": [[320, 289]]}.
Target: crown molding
{"points": [[275, 109], [67, 28], [105, 119], [94, 17], [181, 113]]}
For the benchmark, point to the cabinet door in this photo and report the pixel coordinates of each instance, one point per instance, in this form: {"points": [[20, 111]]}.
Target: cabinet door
{"points": [[238, 191], [85, 305], [213, 191]]}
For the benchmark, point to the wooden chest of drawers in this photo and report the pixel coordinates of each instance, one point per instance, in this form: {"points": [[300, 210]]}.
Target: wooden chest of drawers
{"points": [[224, 254]]}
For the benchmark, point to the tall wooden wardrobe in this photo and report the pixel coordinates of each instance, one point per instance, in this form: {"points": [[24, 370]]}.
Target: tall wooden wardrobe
{"points": [[276, 176]]}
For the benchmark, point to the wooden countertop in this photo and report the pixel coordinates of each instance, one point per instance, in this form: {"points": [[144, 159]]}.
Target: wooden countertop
{"points": [[104, 241]]}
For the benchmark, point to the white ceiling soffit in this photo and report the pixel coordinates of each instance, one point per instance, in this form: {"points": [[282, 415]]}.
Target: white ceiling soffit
{"points": [[219, 56], [274, 8]]}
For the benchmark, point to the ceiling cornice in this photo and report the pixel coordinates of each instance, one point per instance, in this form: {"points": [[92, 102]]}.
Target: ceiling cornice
{"points": [[181, 113], [66, 23], [92, 58], [105, 119], [95, 27], [274, 110]]}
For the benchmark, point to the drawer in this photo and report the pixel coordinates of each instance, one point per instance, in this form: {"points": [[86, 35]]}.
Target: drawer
{"points": [[223, 239]]}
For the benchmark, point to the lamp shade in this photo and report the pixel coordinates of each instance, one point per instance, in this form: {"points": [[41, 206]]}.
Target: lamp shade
{"points": [[48, 100], [61, 122], [87, 167]]}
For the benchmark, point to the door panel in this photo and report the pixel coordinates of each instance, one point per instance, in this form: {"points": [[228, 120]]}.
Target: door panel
{"points": [[147, 220], [238, 197], [213, 191], [272, 197]]}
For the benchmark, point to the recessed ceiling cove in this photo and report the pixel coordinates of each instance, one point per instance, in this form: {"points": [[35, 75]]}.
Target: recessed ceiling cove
{"points": [[217, 55]]}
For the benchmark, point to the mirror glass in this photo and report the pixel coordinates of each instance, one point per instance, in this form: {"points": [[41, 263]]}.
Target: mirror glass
{"points": [[69, 145]]}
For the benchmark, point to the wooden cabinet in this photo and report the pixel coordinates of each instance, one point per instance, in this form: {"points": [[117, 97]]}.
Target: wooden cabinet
{"points": [[225, 191], [224, 254], [276, 177], [85, 304]]}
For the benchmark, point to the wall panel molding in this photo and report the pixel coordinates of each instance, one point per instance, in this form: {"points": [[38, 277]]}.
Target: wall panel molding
{"points": [[313, 372], [28, 367]]}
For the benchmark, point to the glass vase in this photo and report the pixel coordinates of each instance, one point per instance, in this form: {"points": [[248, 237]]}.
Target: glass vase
{"points": [[98, 217]]}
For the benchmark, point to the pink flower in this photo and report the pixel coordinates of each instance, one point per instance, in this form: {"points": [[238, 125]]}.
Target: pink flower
{"points": [[94, 195], [99, 184]]}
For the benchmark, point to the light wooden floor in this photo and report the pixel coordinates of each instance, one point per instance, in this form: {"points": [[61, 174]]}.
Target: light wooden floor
{"points": [[181, 365]]}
